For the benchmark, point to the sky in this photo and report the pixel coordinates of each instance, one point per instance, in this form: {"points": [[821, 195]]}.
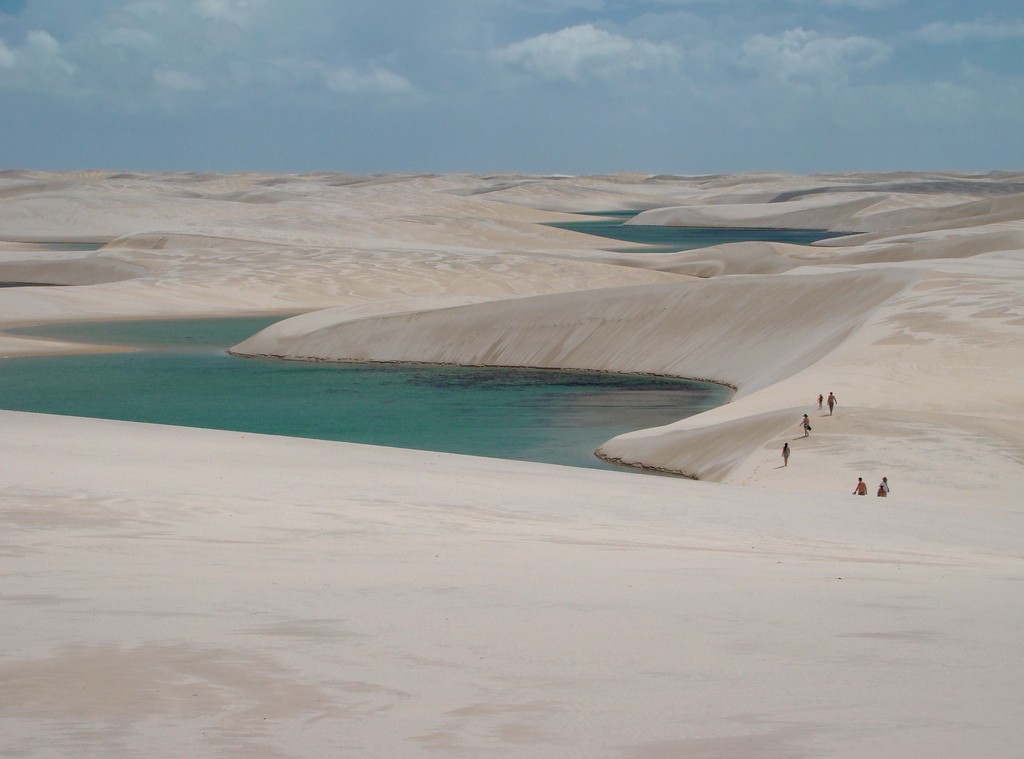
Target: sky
{"points": [[533, 86]]}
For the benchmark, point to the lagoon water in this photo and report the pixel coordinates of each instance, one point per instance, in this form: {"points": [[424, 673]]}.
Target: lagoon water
{"points": [[185, 377], [182, 375], [663, 239]]}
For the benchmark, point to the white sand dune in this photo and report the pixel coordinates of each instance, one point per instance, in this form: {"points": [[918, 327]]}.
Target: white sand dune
{"points": [[847, 212], [670, 329], [171, 591]]}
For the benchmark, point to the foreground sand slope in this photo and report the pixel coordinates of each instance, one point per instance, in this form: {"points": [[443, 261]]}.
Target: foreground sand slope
{"points": [[174, 592]]}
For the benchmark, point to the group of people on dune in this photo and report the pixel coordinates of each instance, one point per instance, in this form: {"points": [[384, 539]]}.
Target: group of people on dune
{"points": [[805, 424]]}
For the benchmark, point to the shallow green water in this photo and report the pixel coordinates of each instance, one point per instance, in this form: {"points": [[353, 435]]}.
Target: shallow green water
{"points": [[670, 239], [186, 378]]}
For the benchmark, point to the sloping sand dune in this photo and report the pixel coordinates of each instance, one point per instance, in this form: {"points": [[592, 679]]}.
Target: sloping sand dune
{"points": [[847, 212], [673, 329], [172, 591]]}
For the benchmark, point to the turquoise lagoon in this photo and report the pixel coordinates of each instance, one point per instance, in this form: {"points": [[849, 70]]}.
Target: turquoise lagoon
{"points": [[182, 375], [660, 239], [179, 373]]}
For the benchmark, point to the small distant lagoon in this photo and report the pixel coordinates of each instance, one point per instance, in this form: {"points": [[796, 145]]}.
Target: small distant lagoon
{"points": [[662, 239], [181, 374]]}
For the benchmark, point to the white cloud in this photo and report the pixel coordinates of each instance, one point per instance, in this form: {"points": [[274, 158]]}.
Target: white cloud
{"points": [[133, 53], [134, 39], [941, 32], [344, 80], [177, 81], [42, 43], [378, 80], [800, 54], [233, 11], [41, 52], [864, 5], [576, 53], [8, 59], [37, 65]]}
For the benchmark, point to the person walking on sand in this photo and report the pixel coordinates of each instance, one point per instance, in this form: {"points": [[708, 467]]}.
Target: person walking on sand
{"points": [[785, 454], [831, 402], [806, 424], [883, 488], [862, 487], [821, 399]]}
